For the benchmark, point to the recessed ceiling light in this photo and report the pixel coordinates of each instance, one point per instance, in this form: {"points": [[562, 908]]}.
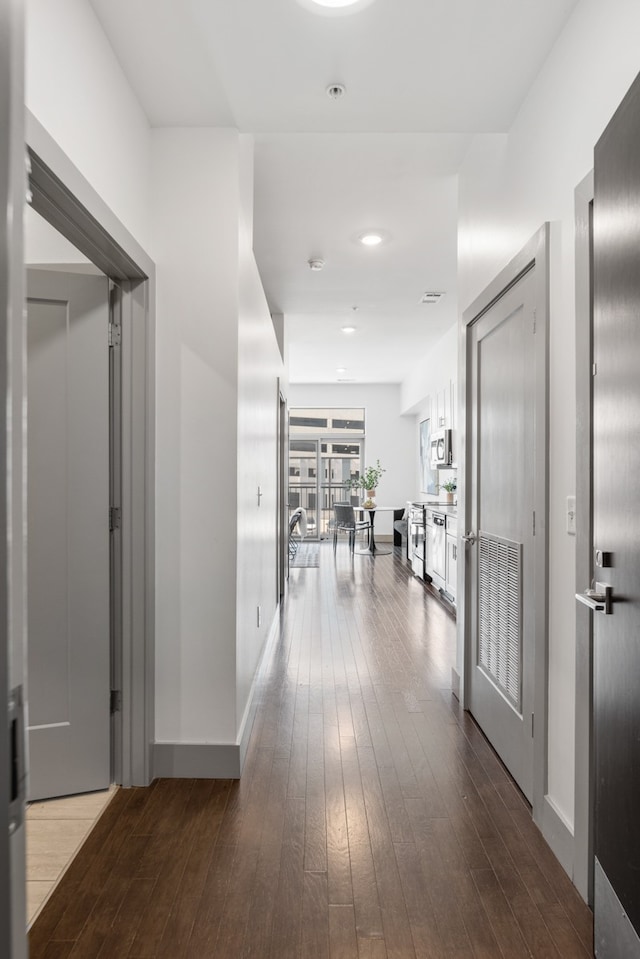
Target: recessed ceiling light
{"points": [[348, 329], [335, 8], [341, 369], [371, 238]]}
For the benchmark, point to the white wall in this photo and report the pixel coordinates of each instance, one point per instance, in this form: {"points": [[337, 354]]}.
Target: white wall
{"points": [[431, 373], [186, 197], [77, 90], [259, 370], [217, 374], [389, 435], [195, 194], [508, 188]]}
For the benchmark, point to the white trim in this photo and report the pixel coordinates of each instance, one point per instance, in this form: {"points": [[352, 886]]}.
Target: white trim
{"points": [[583, 864], [558, 834], [246, 725], [216, 760], [196, 760]]}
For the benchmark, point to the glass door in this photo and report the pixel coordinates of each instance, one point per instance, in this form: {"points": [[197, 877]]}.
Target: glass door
{"points": [[339, 462], [303, 481], [326, 448], [318, 471]]}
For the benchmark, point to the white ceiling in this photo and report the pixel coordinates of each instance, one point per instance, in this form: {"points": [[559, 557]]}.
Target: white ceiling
{"points": [[422, 76]]}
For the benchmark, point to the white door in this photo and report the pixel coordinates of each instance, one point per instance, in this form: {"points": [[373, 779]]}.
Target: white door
{"points": [[501, 374], [68, 533]]}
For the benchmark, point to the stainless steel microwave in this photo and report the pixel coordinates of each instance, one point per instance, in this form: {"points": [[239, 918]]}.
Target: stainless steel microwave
{"points": [[441, 449]]}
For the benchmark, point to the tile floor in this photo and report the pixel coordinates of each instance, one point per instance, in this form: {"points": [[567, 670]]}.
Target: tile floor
{"points": [[56, 828]]}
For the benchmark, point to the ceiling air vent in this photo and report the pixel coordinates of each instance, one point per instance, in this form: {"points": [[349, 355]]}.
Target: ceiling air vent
{"points": [[430, 297]]}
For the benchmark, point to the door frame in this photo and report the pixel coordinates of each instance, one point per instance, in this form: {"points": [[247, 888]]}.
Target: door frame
{"points": [[68, 202], [13, 939], [535, 253], [282, 520], [583, 856]]}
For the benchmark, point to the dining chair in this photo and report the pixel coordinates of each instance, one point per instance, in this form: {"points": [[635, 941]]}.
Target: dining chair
{"points": [[345, 522], [297, 522]]}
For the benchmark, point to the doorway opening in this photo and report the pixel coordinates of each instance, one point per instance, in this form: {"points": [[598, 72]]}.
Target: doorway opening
{"points": [[326, 452], [73, 547], [102, 246]]}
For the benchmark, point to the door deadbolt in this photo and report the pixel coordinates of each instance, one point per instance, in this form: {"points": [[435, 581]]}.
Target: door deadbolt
{"points": [[603, 559]]}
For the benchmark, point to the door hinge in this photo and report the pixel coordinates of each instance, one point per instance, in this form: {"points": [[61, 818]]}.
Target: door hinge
{"points": [[114, 518], [115, 334], [115, 700], [535, 316], [532, 724], [534, 522], [594, 369]]}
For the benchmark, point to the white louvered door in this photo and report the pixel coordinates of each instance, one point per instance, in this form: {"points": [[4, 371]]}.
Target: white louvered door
{"points": [[501, 561]]}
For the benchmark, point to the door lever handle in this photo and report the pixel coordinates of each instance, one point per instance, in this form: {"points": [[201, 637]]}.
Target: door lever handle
{"points": [[598, 599], [469, 538]]}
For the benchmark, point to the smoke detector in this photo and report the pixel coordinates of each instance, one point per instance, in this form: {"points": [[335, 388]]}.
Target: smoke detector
{"points": [[316, 264], [431, 297], [336, 90]]}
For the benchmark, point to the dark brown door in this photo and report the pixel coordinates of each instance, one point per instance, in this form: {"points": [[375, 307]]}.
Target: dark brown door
{"points": [[617, 532]]}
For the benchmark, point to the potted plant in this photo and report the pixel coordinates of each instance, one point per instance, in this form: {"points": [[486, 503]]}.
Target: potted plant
{"points": [[449, 487], [367, 482]]}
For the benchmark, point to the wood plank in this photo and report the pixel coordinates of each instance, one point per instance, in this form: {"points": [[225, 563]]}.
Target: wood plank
{"points": [[372, 949], [287, 911], [343, 942], [372, 819], [314, 929]]}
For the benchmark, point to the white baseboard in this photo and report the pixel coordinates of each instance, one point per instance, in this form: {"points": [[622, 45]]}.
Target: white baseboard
{"points": [[244, 733], [558, 834], [196, 761], [214, 760]]}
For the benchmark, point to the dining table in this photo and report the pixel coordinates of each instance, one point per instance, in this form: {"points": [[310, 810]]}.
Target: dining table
{"points": [[373, 549]]}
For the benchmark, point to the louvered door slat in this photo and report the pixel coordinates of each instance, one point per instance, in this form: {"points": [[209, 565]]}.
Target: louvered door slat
{"points": [[500, 614]]}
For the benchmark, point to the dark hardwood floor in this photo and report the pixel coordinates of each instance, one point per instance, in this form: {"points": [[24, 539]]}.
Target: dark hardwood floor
{"points": [[372, 820]]}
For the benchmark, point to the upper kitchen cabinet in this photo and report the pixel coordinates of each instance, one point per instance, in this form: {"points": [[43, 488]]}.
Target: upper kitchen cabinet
{"points": [[446, 401], [453, 405], [441, 409]]}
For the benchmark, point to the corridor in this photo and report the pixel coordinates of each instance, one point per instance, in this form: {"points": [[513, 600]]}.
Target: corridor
{"points": [[372, 821]]}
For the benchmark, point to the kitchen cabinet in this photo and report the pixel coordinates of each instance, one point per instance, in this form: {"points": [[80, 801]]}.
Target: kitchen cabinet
{"points": [[453, 406], [428, 542], [442, 409], [451, 568]]}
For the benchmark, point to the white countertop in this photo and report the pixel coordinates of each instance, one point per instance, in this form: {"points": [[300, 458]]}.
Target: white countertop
{"points": [[451, 509]]}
